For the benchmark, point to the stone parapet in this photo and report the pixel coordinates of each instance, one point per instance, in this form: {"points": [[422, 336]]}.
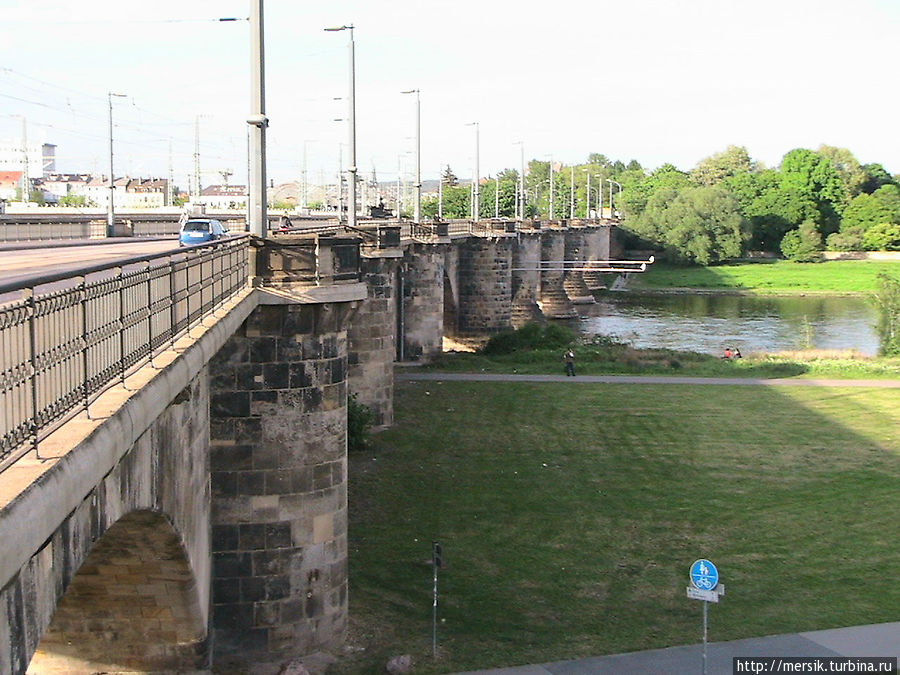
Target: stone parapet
{"points": [[421, 321]]}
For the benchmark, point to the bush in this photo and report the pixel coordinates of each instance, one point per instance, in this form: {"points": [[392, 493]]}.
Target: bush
{"points": [[360, 419], [530, 337], [882, 237], [803, 244]]}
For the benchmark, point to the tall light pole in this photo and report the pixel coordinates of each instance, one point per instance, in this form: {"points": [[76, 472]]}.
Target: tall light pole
{"points": [[587, 200], [110, 211], [351, 170], [572, 193], [257, 217], [476, 188], [520, 193], [441, 194], [552, 214], [417, 209]]}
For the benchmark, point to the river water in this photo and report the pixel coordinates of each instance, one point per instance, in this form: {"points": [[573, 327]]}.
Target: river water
{"points": [[709, 323]]}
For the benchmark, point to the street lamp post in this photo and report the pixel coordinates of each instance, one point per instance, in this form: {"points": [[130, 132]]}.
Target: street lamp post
{"points": [[572, 194], [417, 209], [110, 211], [257, 218], [476, 187], [587, 197], [351, 170], [552, 214], [520, 193]]}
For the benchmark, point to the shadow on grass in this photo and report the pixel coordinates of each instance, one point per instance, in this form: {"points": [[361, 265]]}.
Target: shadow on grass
{"points": [[569, 517]]}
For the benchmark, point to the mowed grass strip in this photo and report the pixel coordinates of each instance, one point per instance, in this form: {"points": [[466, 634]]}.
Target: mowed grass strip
{"points": [[771, 276], [569, 515]]}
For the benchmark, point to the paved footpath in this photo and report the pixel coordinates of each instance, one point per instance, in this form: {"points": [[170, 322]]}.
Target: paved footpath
{"points": [[646, 379], [882, 640]]}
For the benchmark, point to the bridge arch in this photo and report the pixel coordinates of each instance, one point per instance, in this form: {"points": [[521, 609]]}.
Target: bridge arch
{"points": [[132, 605]]}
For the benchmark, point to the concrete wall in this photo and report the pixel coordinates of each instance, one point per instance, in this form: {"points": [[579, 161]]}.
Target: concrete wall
{"points": [[279, 485]]}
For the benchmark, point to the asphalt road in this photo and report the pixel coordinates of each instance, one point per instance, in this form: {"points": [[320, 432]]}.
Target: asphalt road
{"points": [[20, 263]]}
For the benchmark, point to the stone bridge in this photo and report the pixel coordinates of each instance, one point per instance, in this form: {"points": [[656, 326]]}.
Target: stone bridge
{"points": [[194, 512]]}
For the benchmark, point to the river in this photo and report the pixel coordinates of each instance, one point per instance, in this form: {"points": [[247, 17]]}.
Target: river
{"points": [[708, 323]]}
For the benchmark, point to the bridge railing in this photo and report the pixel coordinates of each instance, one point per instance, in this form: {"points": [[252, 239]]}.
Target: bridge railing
{"points": [[65, 339]]}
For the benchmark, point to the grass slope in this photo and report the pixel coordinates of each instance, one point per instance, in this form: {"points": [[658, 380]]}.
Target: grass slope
{"points": [[773, 276], [570, 514]]}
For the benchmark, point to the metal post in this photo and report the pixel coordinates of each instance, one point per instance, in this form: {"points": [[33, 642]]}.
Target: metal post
{"points": [[417, 208], [552, 215], [441, 195], [434, 609], [195, 184], [572, 193], [110, 211], [705, 618], [256, 212], [522, 178], [351, 170], [587, 200], [476, 183]]}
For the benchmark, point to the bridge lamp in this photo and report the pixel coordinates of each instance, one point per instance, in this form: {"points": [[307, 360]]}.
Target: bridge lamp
{"points": [[351, 170], [417, 211], [476, 188], [110, 211]]}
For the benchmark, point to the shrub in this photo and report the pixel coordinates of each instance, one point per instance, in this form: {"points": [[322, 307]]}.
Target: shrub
{"points": [[887, 299], [803, 244], [882, 237], [360, 419]]}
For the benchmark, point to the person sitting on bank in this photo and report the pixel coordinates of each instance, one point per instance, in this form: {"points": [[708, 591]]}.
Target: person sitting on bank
{"points": [[727, 354]]}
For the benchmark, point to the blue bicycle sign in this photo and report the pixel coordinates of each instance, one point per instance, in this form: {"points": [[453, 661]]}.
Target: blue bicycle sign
{"points": [[704, 575]]}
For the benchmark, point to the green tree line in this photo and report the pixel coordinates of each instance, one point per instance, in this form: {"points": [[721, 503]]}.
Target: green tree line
{"points": [[725, 206]]}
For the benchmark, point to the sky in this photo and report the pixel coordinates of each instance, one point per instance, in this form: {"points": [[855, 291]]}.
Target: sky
{"points": [[653, 80]]}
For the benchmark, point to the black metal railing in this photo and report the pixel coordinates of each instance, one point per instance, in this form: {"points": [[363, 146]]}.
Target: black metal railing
{"points": [[65, 339]]}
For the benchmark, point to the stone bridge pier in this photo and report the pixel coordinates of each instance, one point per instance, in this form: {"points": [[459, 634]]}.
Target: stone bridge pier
{"points": [[526, 279], [554, 301], [485, 284]]}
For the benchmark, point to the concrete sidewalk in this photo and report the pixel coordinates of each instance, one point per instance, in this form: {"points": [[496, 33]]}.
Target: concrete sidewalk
{"points": [[881, 640]]}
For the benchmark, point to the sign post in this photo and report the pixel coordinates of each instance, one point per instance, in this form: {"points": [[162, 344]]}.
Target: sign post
{"points": [[705, 586], [437, 561]]}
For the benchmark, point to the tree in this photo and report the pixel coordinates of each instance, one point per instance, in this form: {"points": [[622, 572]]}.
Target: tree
{"points": [[864, 212], [852, 174], [640, 188], [716, 168], [813, 177], [448, 177], [705, 225], [887, 300], [803, 244], [597, 158], [876, 176], [634, 165]]}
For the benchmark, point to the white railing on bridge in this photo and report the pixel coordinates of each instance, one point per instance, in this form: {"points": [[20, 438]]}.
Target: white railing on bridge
{"points": [[65, 339]]}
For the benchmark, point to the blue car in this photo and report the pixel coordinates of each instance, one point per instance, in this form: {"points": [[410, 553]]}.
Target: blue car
{"points": [[201, 230]]}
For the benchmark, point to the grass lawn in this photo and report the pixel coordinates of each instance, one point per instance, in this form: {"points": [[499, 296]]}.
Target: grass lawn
{"points": [[772, 276], [570, 513]]}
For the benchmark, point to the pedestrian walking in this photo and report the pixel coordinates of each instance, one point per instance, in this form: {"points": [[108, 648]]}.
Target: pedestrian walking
{"points": [[570, 363]]}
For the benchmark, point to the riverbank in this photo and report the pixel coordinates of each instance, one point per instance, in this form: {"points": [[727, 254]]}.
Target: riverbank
{"points": [[766, 277]]}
